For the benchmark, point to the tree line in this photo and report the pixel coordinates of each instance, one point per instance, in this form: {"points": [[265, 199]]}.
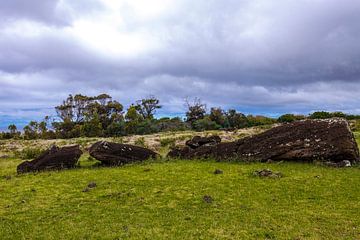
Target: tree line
{"points": [[101, 116]]}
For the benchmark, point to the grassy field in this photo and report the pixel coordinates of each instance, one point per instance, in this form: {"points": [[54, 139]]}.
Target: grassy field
{"points": [[164, 199]]}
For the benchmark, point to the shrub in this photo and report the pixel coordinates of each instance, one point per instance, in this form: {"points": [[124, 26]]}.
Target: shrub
{"points": [[321, 115], [167, 141], [29, 153], [146, 127], [260, 120], [171, 124], [235, 119], [205, 124], [140, 142], [287, 118], [116, 129]]}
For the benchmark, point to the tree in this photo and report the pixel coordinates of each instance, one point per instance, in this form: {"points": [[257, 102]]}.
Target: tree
{"points": [[171, 124], [116, 129], [217, 115], [65, 110], [92, 128], [236, 120], [287, 118], [105, 109], [338, 114], [147, 107], [132, 120], [259, 120], [196, 110], [205, 124], [31, 131], [13, 132], [290, 118], [12, 128], [80, 113], [320, 115], [80, 108]]}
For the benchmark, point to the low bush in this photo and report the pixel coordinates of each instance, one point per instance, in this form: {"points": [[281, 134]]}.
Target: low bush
{"points": [[29, 153], [140, 142], [167, 142]]}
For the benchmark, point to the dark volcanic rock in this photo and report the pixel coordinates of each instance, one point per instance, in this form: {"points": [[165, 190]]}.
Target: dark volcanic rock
{"points": [[308, 140], [198, 141], [53, 159], [344, 163], [178, 152], [267, 173], [194, 143], [207, 199], [117, 154]]}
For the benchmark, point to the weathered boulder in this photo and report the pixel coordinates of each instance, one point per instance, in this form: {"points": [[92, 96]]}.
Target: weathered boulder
{"points": [[194, 143], [179, 152], [113, 154], [341, 164], [199, 141], [267, 173], [54, 158], [307, 140]]}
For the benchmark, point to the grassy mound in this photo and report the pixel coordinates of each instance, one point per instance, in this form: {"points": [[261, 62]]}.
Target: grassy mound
{"points": [[180, 200]]}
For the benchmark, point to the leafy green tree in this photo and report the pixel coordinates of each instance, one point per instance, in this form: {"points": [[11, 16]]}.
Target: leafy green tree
{"points": [[132, 120], [338, 114], [31, 131], [236, 120], [148, 126], [66, 129], [12, 128], [13, 132], [259, 120], [65, 111], [217, 115], [205, 124], [79, 113], [320, 115], [171, 124], [105, 109], [116, 129], [147, 107], [287, 118], [92, 128]]}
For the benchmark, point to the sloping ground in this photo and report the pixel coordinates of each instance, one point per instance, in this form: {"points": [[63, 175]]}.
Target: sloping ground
{"points": [[166, 200]]}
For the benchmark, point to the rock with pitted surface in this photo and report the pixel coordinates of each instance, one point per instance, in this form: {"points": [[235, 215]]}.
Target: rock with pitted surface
{"points": [[194, 143], [307, 140], [113, 154], [199, 141], [54, 158]]}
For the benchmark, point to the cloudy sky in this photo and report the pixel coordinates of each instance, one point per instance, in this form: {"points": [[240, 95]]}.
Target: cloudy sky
{"points": [[258, 56]]}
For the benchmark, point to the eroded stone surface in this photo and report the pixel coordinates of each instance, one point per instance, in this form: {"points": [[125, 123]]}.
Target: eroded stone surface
{"points": [[117, 154], [308, 140], [199, 141], [54, 158]]}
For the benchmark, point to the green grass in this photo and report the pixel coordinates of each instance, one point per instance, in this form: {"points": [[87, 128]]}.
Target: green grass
{"points": [[164, 200]]}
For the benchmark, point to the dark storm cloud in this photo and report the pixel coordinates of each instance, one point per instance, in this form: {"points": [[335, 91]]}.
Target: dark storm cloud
{"points": [[283, 44], [52, 12], [261, 56]]}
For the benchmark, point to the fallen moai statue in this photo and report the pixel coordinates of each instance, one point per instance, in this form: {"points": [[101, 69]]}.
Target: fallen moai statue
{"points": [[194, 143], [114, 154], [307, 140], [198, 141], [54, 158]]}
